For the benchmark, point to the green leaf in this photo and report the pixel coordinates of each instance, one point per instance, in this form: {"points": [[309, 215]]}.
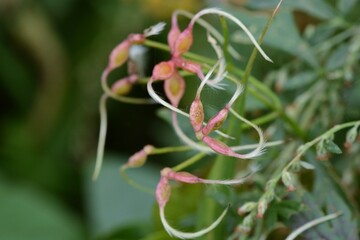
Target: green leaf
{"points": [[112, 203], [316, 8], [327, 197], [299, 80], [26, 213], [346, 5], [332, 147], [287, 208]]}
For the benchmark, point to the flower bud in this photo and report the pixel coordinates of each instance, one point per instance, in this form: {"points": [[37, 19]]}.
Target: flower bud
{"points": [[124, 86], [216, 122], [218, 146], [288, 181], [174, 88], [196, 114], [119, 55], [351, 136], [188, 66], [183, 42], [163, 70], [121, 87], [173, 34], [163, 192], [180, 176], [139, 158], [136, 38], [262, 207], [246, 225], [247, 207], [321, 153]]}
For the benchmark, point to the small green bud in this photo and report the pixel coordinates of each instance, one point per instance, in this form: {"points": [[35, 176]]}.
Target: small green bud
{"points": [[246, 207], [262, 207], [288, 181], [351, 136]]}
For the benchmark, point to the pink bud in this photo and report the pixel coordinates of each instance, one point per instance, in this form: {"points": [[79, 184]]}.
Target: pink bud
{"points": [[222, 148], [196, 114], [139, 158], [136, 38], [123, 86], [183, 42], [216, 122], [173, 33], [163, 71], [174, 88], [218, 146], [163, 192], [180, 176], [188, 66], [119, 55]]}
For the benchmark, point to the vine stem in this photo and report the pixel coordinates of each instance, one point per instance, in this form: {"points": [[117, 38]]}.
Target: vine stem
{"points": [[302, 149]]}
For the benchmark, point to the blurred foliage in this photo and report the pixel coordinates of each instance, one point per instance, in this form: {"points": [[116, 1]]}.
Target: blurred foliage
{"points": [[52, 54]]}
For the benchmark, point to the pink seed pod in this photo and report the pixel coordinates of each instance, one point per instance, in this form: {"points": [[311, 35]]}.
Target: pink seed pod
{"points": [[183, 42], [119, 55], [163, 192], [188, 66], [163, 71], [173, 33], [139, 158], [124, 86], [174, 88], [216, 122], [218, 146], [184, 177], [196, 114]]}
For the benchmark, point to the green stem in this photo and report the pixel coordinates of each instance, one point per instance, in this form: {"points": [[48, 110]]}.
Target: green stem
{"points": [[170, 149], [189, 162], [226, 43]]}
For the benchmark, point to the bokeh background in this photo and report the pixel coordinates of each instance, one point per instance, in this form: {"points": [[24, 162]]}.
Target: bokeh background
{"points": [[52, 54]]}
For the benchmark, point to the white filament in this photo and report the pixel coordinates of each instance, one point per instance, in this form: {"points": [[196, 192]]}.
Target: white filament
{"points": [[189, 235], [235, 20]]}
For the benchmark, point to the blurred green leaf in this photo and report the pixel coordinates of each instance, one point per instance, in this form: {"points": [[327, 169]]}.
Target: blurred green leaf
{"points": [[346, 5], [327, 197], [316, 8], [338, 57], [299, 80], [332, 147], [26, 213], [112, 203]]}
